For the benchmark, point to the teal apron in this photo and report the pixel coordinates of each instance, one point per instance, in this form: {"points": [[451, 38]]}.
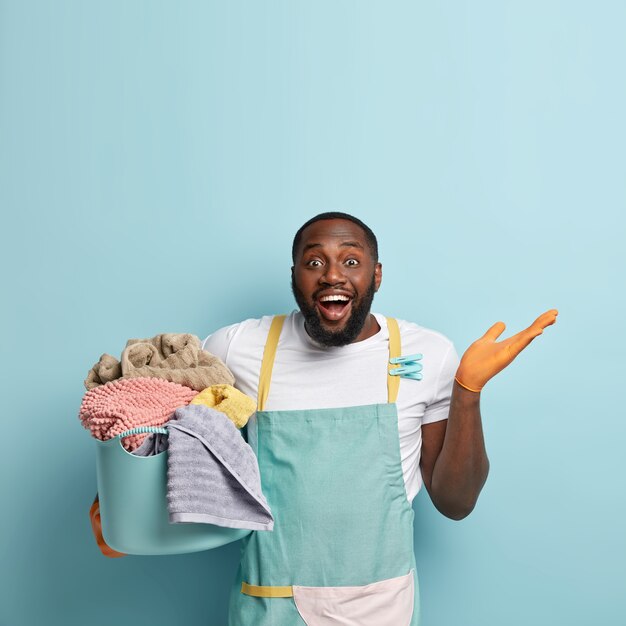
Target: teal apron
{"points": [[341, 551]]}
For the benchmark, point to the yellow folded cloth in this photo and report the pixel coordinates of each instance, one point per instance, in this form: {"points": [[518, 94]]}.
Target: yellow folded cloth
{"points": [[237, 406]]}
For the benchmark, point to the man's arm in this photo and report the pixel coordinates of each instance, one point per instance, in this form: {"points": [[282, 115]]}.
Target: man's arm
{"points": [[454, 461]]}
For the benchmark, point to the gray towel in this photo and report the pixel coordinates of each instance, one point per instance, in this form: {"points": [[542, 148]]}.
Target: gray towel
{"points": [[212, 473], [152, 445]]}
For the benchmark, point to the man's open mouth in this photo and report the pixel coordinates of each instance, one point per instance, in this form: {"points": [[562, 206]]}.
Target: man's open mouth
{"points": [[334, 307]]}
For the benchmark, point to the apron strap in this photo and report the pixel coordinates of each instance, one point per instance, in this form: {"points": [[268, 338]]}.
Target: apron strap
{"points": [[395, 348], [265, 376], [269, 354], [266, 591]]}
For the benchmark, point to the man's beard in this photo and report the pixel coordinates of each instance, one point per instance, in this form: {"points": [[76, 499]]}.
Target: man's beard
{"points": [[354, 325]]}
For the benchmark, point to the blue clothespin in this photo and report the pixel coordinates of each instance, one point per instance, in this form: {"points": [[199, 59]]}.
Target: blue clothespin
{"points": [[409, 366]]}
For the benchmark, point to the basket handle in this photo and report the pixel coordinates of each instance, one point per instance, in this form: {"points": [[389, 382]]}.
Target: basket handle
{"points": [[143, 429]]}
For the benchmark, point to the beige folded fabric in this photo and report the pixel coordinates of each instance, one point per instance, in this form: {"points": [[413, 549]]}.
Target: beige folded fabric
{"points": [[176, 357], [171, 350], [108, 368], [140, 355]]}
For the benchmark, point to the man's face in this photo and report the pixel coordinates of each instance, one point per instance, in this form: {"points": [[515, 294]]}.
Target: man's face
{"points": [[334, 279]]}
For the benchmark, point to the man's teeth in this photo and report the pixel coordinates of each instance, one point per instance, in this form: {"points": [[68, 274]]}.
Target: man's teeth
{"points": [[334, 298]]}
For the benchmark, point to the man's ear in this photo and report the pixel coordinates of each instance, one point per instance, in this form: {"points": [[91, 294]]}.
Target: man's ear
{"points": [[378, 275]]}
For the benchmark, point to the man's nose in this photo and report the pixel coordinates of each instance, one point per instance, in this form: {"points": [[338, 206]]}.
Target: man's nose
{"points": [[333, 275]]}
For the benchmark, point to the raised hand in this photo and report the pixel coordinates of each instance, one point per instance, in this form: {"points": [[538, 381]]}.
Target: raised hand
{"points": [[486, 357]]}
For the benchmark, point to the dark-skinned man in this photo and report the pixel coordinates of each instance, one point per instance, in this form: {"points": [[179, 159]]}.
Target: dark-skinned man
{"points": [[356, 412]]}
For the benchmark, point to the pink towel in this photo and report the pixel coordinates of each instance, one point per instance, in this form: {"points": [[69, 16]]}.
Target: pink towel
{"points": [[126, 403]]}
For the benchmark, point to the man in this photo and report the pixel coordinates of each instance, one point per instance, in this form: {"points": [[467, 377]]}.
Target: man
{"points": [[356, 412]]}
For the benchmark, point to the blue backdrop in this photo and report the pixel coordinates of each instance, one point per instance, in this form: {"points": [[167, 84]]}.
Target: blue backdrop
{"points": [[156, 159]]}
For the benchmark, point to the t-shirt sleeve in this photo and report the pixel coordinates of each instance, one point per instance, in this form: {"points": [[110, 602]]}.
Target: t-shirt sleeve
{"points": [[440, 405], [218, 343]]}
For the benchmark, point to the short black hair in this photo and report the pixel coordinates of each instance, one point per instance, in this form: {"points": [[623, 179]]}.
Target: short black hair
{"points": [[337, 215]]}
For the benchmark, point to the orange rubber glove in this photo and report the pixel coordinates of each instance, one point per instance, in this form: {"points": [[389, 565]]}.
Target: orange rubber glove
{"points": [[96, 526], [485, 358]]}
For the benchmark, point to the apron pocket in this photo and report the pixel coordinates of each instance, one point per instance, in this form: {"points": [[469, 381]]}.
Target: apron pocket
{"points": [[384, 603]]}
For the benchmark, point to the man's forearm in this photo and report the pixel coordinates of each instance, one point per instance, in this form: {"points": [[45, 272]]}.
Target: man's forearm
{"points": [[462, 466]]}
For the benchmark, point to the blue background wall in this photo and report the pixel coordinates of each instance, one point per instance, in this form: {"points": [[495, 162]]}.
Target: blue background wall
{"points": [[156, 159]]}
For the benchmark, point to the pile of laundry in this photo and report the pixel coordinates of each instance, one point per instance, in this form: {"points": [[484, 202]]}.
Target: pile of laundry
{"points": [[168, 381]]}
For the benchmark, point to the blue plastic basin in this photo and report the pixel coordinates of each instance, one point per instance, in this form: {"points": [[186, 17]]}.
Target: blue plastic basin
{"points": [[133, 507]]}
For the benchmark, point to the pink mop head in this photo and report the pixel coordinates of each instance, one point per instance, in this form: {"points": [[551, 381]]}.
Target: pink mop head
{"points": [[118, 405]]}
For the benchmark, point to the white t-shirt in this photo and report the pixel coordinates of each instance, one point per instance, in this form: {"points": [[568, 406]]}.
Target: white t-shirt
{"points": [[309, 376]]}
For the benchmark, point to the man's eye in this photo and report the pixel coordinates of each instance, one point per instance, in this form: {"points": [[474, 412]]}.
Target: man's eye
{"points": [[314, 263], [352, 262]]}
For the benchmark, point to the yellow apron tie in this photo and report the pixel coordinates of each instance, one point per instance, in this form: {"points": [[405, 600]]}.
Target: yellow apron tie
{"points": [[266, 591], [265, 376], [393, 382]]}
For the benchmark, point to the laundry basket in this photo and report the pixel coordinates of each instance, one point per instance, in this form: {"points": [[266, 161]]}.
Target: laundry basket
{"points": [[133, 504]]}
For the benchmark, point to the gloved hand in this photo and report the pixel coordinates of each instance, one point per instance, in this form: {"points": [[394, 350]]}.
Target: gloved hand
{"points": [[485, 358], [96, 526]]}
